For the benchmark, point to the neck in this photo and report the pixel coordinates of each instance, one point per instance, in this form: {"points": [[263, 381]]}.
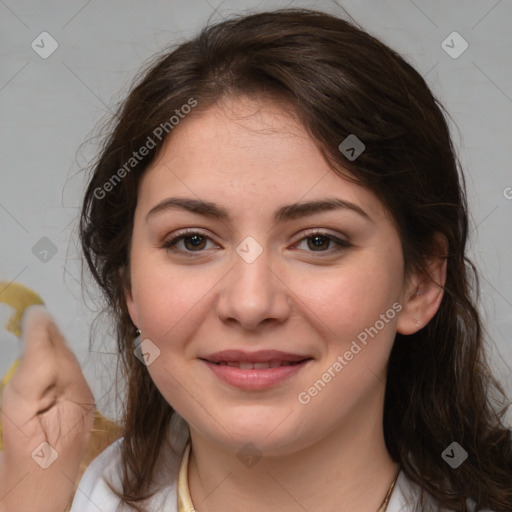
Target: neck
{"points": [[347, 470]]}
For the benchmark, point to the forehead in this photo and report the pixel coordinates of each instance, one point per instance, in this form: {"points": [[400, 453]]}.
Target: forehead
{"points": [[236, 135], [246, 151]]}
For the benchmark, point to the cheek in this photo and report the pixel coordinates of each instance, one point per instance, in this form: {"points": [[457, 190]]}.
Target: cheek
{"points": [[168, 298], [351, 299]]}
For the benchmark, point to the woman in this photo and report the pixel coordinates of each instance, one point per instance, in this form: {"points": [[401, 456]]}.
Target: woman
{"points": [[278, 224]]}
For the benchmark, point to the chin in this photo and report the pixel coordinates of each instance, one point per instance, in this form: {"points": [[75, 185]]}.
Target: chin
{"points": [[254, 437]]}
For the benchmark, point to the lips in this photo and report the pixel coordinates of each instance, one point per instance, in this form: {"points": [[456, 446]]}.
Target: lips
{"points": [[247, 365], [261, 359], [255, 371]]}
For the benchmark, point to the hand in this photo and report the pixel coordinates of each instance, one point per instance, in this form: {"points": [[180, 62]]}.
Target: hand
{"points": [[47, 413]]}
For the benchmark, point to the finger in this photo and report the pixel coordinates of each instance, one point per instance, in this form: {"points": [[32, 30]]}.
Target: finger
{"points": [[56, 339], [43, 346]]}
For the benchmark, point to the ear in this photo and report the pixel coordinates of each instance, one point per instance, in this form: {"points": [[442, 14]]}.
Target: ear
{"points": [[124, 274], [424, 290]]}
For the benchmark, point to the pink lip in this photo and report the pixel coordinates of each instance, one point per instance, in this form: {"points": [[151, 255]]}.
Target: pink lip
{"points": [[255, 378], [261, 356]]}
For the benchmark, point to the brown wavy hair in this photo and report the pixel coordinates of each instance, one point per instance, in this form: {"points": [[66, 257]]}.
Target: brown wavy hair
{"points": [[339, 80]]}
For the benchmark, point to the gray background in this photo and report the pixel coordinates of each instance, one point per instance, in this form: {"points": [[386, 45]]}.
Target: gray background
{"points": [[50, 107]]}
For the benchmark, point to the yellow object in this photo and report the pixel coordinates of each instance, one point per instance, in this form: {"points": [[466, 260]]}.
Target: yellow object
{"points": [[184, 498], [19, 298], [5, 380]]}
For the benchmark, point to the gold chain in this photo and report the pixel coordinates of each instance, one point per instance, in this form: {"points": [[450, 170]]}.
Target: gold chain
{"points": [[385, 503]]}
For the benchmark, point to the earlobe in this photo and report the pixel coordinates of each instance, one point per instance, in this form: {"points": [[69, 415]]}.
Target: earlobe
{"points": [[424, 291]]}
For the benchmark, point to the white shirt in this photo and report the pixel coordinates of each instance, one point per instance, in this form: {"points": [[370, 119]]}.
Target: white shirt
{"points": [[93, 495]]}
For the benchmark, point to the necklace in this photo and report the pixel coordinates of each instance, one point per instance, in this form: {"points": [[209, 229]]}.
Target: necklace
{"points": [[385, 503], [185, 501]]}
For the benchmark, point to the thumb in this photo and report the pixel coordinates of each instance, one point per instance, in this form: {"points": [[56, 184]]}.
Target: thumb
{"points": [[44, 345]]}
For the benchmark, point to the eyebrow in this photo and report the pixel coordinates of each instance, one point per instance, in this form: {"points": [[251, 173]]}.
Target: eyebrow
{"points": [[284, 213]]}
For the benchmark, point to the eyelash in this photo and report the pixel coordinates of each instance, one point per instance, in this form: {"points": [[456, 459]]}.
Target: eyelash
{"points": [[171, 243]]}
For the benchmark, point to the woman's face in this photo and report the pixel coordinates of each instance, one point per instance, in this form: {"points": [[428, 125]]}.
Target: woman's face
{"points": [[262, 269]]}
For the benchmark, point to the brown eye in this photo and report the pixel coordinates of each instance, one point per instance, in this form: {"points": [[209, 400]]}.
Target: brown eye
{"points": [[321, 242], [194, 242], [318, 242], [191, 242]]}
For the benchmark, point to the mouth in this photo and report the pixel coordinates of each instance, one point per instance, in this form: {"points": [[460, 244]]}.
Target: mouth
{"points": [[257, 370], [248, 365], [260, 359]]}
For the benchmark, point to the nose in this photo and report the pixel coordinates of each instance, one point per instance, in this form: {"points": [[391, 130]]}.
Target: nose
{"points": [[253, 293]]}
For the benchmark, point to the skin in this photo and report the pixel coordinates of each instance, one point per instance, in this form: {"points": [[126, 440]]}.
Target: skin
{"points": [[251, 157]]}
